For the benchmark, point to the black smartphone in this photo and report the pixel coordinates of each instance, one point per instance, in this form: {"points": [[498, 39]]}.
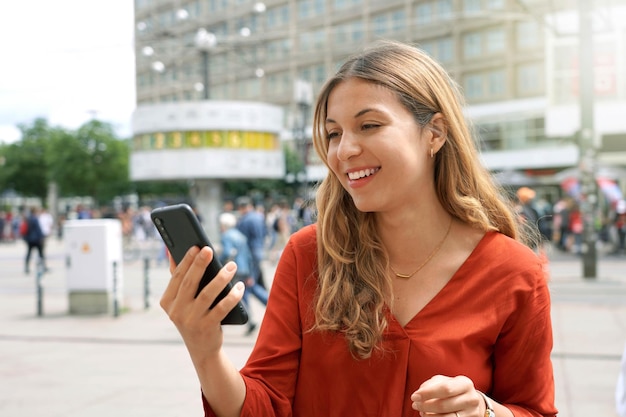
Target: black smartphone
{"points": [[180, 229]]}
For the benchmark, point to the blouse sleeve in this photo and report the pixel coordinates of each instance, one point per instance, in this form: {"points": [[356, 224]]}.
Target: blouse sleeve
{"points": [[271, 371], [523, 374]]}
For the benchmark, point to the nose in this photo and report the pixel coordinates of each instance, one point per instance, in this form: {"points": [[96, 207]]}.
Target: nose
{"points": [[348, 147]]}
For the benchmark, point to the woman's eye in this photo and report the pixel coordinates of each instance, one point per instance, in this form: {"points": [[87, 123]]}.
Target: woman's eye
{"points": [[369, 126], [332, 135]]}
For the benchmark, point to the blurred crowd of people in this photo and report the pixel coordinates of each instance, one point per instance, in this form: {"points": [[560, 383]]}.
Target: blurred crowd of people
{"points": [[262, 227], [561, 224]]}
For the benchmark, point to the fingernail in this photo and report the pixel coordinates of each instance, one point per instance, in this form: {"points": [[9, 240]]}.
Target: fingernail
{"points": [[204, 254], [239, 286], [231, 266]]}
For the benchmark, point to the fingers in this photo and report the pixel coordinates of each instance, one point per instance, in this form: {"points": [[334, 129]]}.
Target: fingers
{"points": [[193, 269], [446, 395], [183, 285], [209, 293], [178, 273]]}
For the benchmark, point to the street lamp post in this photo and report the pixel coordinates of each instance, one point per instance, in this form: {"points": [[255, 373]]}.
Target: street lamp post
{"points": [[204, 41], [587, 141], [303, 92]]}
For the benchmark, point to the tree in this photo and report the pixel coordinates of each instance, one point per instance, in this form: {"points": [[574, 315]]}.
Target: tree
{"points": [[25, 167], [92, 162]]}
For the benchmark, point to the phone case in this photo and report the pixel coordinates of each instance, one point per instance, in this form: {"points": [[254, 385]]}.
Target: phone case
{"points": [[180, 229]]}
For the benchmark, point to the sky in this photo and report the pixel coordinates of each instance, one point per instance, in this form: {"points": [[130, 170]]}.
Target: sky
{"points": [[67, 61]]}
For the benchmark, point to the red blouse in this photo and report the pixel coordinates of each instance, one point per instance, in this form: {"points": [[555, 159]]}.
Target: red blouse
{"points": [[491, 323]]}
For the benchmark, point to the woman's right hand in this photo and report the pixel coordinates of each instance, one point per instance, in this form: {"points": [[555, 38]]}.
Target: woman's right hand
{"points": [[199, 327]]}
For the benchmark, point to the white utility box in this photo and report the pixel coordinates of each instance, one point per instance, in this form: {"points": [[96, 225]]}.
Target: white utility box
{"points": [[94, 264]]}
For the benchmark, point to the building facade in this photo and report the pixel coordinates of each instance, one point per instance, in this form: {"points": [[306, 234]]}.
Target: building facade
{"points": [[515, 61]]}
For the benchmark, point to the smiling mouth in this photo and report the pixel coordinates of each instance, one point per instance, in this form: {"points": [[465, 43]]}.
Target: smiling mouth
{"points": [[357, 175]]}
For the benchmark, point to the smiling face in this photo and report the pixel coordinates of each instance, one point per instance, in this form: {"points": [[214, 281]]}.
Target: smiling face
{"points": [[377, 150]]}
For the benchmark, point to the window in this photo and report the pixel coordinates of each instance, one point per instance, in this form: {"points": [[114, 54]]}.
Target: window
{"points": [[384, 24], [319, 7], [471, 6], [398, 21], [342, 34], [344, 4], [429, 47], [217, 5], [490, 135], [305, 9], [320, 74], [424, 13], [530, 79], [496, 41], [441, 49], [495, 4], [445, 9], [473, 86], [357, 31], [528, 34], [311, 40], [194, 9], [340, 4], [445, 50], [310, 8], [497, 83], [278, 49], [472, 45], [379, 22]]}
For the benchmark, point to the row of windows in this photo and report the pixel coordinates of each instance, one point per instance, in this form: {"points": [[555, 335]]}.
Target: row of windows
{"points": [[493, 85], [511, 134], [486, 85], [276, 16], [474, 44]]}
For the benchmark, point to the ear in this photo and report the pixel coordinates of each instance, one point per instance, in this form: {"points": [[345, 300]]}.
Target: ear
{"points": [[439, 130]]}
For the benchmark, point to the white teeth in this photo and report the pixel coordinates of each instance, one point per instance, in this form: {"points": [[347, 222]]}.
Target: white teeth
{"points": [[362, 173]]}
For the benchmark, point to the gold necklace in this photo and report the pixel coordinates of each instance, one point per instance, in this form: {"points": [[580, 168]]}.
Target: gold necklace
{"points": [[433, 253]]}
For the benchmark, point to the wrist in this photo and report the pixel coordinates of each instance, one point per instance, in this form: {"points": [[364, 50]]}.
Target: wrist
{"points": [[489, 412]]}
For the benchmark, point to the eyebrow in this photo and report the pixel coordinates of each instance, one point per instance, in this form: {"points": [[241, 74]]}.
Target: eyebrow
{"points": [[357, 115]]}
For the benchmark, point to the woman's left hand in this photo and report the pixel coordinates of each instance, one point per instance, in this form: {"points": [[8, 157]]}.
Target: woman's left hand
{"points": [[448, 397]]}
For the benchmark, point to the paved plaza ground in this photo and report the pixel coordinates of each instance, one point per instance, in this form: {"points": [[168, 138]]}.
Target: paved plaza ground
{"points": [[61, 365]]}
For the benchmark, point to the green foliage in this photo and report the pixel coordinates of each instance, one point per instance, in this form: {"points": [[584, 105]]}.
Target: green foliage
{"points": [[293, 161], [26, 166], [91, 161]]}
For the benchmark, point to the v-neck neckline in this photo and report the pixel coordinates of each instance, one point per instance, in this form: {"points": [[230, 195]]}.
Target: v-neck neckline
{"points": [[451, 282]]}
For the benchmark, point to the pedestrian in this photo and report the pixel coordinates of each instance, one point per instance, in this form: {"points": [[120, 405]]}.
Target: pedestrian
{"points": [[235, 248], [619, 222], [252, 224], [562, 210], [46, 222], [529, 216], [34, 237], [413, 294]]}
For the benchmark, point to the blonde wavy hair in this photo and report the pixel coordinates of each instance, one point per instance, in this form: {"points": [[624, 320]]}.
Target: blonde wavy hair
{"points": [[353, 287]]}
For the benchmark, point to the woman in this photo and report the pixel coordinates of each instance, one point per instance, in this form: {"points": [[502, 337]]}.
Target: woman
{"points": [[412, 292]]}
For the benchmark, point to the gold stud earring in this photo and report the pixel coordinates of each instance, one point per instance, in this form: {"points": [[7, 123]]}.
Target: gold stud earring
{"points": [[432, 153]]}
